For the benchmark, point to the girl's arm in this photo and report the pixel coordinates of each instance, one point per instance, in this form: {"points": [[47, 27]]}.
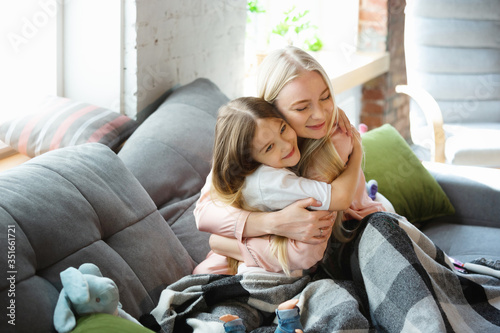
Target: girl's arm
{"points": [[343, 188], [362, 205], [225, 246], [301, 256], [255, 252], [344, 123], [294, 221]]}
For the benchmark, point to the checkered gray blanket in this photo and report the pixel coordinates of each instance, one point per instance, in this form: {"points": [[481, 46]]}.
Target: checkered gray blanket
{"points": [[402, 283]]}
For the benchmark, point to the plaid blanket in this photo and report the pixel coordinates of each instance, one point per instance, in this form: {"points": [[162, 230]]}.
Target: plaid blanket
{"points": [[401, 283]]}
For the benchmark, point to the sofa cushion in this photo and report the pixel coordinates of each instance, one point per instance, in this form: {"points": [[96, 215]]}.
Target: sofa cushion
{"points": [[76, 205], [170, 152], [473, 191], [61, 122], [462, 146], [170, 155], [401, 177], [465, 242]]}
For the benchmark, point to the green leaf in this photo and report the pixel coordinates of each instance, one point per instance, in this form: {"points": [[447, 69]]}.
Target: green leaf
{"points": [[254, 7]]}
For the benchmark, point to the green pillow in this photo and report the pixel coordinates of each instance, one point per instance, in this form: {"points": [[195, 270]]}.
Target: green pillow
{"points": [[106, 323], [401, 177]]}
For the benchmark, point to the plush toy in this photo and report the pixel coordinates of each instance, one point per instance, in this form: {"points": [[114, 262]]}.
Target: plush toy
{"points": [[86, 291], [372, 188]]}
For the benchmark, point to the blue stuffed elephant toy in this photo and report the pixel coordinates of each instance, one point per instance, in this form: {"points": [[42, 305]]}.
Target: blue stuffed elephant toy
{"points": [[86, 291]]}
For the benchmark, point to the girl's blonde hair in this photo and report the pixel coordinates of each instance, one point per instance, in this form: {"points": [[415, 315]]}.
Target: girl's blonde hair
{"points": [[232, 158], [278, 69]]}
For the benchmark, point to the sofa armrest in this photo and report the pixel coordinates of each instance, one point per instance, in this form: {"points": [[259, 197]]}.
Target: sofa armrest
{"points": [[473, 191]]}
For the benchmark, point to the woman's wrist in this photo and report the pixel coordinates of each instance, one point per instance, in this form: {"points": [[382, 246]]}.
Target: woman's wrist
{"points": [[281, 223], [273, 221], [260, 224]]}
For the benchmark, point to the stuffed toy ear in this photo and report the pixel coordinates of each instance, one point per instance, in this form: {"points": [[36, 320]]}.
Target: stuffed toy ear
{"points": [[64, 319], [75, 285], [90, 269]]}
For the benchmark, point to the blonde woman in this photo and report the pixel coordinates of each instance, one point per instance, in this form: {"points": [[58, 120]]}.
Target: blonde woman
{"points": [[254, 153], [298, 86]]}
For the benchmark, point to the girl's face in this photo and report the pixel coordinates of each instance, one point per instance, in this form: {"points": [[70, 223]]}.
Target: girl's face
{"points": [[307, 105], [275, 143]]}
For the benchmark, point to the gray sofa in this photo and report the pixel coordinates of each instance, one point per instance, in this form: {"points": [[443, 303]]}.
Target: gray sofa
{"points": [[131, 213]]}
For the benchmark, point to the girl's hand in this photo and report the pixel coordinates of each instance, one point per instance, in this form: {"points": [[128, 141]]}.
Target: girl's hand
{"points": [[298, 223], [344, 123]]}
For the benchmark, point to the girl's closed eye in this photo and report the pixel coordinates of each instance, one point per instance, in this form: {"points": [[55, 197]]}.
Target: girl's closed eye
{"points": [[326, 98], [283, 128]]}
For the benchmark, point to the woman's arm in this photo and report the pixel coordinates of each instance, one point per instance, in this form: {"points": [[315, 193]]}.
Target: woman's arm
{"points": [[218, 218], [294, 221]]}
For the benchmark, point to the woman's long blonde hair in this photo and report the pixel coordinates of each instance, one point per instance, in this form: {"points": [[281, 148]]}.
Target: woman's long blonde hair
{"points": [[278, 69], [232, 159]]}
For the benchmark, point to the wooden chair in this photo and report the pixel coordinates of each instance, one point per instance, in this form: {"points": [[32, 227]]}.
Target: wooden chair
{"points": [[453, 68]]}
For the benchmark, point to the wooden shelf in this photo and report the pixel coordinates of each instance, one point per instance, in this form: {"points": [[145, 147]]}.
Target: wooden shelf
{"points": [[349, 70], [346, 70]]}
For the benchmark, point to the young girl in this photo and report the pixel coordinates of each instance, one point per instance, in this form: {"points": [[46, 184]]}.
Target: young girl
{"points": [[253, 149], [254, 154]]}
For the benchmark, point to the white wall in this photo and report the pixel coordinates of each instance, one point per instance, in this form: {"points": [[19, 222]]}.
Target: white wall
{"points": [[179, 41]]}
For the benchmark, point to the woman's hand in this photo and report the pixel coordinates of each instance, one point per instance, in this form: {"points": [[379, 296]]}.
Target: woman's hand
{"points": [[296, 222], [344, 123]]}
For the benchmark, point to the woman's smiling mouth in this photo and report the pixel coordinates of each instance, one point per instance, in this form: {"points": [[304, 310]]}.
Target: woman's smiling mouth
{"points": [[316, 127]]}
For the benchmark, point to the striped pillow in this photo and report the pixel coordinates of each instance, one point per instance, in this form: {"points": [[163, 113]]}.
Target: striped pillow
{"points": [[62, 122]]}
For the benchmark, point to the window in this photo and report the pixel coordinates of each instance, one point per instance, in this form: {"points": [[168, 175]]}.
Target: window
{"points": [[28, 56], [57, 47], [310, 24], [91, 48], [327, 28]]}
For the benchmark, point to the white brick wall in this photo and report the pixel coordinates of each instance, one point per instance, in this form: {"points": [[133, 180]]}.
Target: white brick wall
{"points": [[170, 42]]}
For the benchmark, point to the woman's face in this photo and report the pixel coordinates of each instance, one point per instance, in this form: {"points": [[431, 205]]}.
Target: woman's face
{"points": [[307, 105], [275, 143]]}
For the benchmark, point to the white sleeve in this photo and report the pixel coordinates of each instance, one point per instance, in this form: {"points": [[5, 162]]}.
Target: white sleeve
{"points": [[269, 189]]}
